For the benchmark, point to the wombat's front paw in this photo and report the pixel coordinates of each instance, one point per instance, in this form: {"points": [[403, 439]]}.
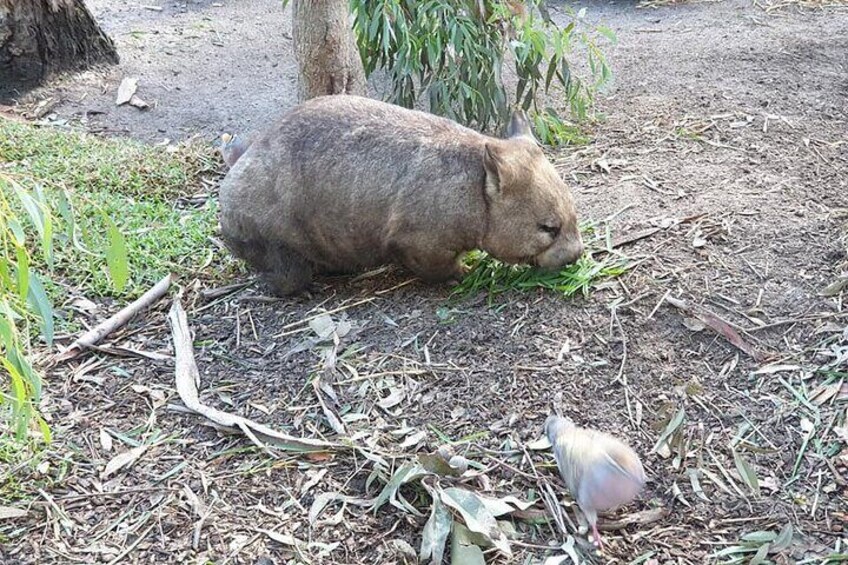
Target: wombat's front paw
{"points": [[459, 273], [456, 274], [286, 286]]}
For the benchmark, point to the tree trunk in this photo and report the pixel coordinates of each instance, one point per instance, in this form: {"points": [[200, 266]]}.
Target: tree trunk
{"points": [[42, 37], [325, 49]]}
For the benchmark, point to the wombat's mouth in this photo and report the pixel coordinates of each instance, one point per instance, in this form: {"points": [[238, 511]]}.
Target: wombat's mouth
{"points": [[560, 255], [536, 262], [546, 268]]}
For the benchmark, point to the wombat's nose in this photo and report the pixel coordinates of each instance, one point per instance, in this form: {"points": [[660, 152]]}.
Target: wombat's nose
{"points": [[574, 252], [571, 252]]}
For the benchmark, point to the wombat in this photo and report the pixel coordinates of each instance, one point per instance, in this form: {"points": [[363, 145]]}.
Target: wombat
{"points": [[342, 184]]}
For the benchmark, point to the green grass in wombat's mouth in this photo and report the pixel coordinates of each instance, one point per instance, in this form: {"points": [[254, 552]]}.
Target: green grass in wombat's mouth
{"points": [[495, 277]]}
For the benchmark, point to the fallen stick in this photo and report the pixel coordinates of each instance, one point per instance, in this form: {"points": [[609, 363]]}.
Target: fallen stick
{"points": [[214, 293], [641, 518], [97, 333], [188, 380], [627, 239], [717, 325]]}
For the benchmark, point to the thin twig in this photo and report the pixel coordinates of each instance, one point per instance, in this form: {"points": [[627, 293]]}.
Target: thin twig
{"points": [[622, 377], [119, 319], [132, 546], [328, 312]]}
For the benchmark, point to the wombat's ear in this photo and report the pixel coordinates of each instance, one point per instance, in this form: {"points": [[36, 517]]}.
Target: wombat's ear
{"points": [[493, 162], [519, 125]]}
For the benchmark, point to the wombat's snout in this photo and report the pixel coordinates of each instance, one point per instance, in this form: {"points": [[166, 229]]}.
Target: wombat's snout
{"points": [[574, 251], [560, 255]]}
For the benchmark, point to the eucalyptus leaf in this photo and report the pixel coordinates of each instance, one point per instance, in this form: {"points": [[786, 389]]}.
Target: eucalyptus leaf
{"points": [[672, 426], [608, 33], [476, 516], [694, 479], [759, 537], [506, 505], [40, 304], [33, 209], [405, 473], [784, 538], [117, 256], [22, 270], [436, 532], [568, 548], [44, 428], [436, 464], [747, 473], [405, 551], [463, 551], [456, 54], [760, 556], [32, 379], [322, 500], [733, 550]]}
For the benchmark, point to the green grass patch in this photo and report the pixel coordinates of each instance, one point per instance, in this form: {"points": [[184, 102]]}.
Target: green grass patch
{"points": [[494, 277], [87, 164], [134, 186], [159, 239], [14, 455]]}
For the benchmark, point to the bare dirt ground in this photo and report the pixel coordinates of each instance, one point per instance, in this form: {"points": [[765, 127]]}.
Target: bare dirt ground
{"points": [[727, 129]]}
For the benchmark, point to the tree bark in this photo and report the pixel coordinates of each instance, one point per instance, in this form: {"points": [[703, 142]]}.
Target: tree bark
{"points": [[325, 49], [41, 37]]}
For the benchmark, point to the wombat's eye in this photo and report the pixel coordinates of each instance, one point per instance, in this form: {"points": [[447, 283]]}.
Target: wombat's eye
{"points": [[553, 231]]}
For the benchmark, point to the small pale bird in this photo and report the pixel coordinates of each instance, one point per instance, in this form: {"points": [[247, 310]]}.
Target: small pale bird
{"points": [[600, 471]]}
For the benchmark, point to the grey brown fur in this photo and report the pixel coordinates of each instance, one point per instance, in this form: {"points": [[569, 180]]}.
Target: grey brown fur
{"points": [[342, 183]]}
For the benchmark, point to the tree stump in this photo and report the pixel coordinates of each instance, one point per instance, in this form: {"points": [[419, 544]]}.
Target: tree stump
{"points": [[39, 38]]}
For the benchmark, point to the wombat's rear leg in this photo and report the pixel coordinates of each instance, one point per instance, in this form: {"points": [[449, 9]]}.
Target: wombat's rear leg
{"points": [[287, 271], [284, 270]]}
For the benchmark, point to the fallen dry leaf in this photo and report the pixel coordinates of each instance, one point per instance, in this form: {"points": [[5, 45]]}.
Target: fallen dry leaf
{"points": [[413, 439], [126, 90], [10, 513], [823, 393], [188, 379], [315, 477], [717, 325], [693, 324], [122, 460], [137, 102], [396, 395]]}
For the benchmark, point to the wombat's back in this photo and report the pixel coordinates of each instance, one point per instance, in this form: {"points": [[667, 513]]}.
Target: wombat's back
{"points": [[338, 177]]}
